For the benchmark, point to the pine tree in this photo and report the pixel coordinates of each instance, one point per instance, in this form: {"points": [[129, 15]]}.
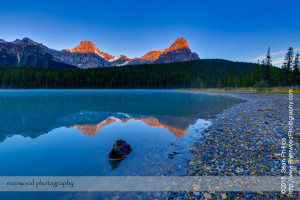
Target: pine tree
{"points": [[288, 60], [232, 77], [296, 78], [267, 69], [257, 74]]}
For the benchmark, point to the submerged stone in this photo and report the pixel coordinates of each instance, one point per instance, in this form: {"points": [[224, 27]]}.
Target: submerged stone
{"points": [[120, 150]]}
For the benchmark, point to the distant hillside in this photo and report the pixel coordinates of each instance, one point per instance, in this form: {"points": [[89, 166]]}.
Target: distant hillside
{"points": [[190, 74]]}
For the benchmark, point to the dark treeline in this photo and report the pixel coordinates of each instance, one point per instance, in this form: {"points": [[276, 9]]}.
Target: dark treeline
{"points": [[205, 73], [286, 76]]}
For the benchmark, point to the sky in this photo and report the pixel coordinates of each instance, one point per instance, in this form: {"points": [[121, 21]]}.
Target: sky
{"points": [[232, 30]]}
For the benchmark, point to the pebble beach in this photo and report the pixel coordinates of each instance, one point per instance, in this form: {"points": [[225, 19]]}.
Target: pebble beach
{"points": [[245, 140]]}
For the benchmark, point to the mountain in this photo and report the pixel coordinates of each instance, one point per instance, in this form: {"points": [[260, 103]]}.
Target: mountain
{"points": [[152, 55], [80, 60], [120, 60], [27, 52], [179, 51], [26, 41], [89, 47]]}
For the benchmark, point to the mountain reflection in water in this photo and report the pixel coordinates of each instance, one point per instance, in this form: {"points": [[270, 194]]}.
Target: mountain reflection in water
{"points": [[33, 113], [92, 129], [71, 133]]}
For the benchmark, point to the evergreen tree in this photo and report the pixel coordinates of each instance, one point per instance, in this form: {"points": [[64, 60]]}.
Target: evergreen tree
{"points": [[232, 78], [267, 68], [296, 78], [288, 60], [268, 58], [257, 75], [200, 73]]}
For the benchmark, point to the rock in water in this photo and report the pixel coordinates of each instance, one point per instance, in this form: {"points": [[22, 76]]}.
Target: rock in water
{"points": [[120, 150]]}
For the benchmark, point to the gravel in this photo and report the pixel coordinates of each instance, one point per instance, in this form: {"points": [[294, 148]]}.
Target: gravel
{"points": [[245, 141]]}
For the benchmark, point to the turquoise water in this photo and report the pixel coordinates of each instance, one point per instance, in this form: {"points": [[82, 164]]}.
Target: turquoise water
{"points": [[70, 133]]}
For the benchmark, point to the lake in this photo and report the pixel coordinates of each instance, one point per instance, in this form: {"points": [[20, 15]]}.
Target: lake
{"points": [[71, 132]]}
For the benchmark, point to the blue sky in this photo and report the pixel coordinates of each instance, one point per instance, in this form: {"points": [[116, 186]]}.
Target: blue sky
{"points": [[233, 30]]}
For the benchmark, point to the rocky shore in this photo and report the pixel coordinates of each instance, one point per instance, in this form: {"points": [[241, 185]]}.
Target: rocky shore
{"points": [[245, 141]]}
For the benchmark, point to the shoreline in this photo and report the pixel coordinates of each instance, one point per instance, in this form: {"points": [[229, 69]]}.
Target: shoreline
{"points": [[268, 90], [227, 91], [245, 141]]}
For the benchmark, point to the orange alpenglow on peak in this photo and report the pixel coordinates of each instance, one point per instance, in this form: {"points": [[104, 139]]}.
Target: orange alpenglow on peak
{"points": [[85, 47], [179, 51], [152, 55], [180, 43], [124, 57], [89, 47]]}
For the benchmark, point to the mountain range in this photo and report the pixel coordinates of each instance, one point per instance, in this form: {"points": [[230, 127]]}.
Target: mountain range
{"points": [[27, 52]]}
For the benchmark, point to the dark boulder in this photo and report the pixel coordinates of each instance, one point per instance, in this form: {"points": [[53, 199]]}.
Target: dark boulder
{"points": [[120, 150]]}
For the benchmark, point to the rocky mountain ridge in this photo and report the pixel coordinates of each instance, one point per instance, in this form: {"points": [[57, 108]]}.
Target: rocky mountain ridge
{"points": [[86, 55], [89, 47]]}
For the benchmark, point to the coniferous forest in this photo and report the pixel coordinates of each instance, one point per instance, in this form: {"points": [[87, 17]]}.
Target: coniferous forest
{"points": [[204, 73]]}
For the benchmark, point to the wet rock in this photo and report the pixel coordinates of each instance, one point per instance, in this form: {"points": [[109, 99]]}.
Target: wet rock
{"points": [[116, 198], [297, 137], [120, 150], [245, 142], [171, 156], [174, 152], [196, 194], [224, 196], [207, 196], [197, 187], [170, 167]]}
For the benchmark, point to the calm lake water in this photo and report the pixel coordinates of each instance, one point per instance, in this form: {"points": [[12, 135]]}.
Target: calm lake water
{"points": [[70, 133]]}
